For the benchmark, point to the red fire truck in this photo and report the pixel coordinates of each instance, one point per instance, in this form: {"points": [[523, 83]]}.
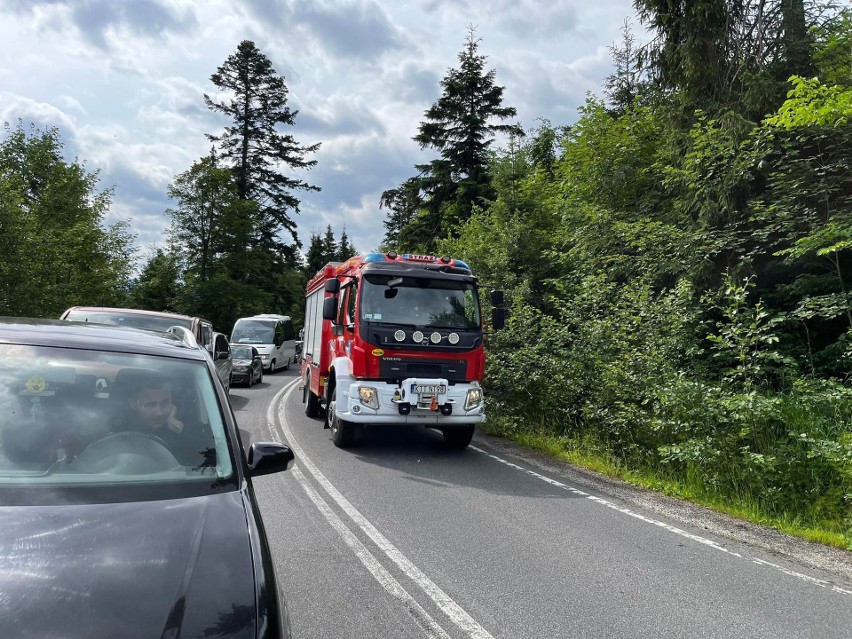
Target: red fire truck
{"points": [[395, 339]]}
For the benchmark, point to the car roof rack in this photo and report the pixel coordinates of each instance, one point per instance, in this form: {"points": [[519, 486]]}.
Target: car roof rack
{"points": [[184, 334]]}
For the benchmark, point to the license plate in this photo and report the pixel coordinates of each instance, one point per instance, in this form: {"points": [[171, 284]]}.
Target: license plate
{"points": [[428, 389]]}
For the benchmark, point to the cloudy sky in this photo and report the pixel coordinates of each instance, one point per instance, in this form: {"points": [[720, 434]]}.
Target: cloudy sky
{"points": [[123, 81]]}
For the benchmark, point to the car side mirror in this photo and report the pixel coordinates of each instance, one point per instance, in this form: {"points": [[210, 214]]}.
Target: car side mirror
{"points": [[265, 458], [222, 355]]}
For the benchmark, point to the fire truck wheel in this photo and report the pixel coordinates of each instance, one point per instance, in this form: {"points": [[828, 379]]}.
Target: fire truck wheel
{"points": [[458, 437], [311, 401], [342, 432]]}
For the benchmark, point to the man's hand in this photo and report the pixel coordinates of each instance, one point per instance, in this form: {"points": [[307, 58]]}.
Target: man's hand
{"points": [[173, 422]]}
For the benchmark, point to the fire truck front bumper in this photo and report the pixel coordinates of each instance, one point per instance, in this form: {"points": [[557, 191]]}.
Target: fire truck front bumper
{"points": [[426, 401]]}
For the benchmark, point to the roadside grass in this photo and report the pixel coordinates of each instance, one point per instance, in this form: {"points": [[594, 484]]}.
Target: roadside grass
{"points": [[591, 455]]}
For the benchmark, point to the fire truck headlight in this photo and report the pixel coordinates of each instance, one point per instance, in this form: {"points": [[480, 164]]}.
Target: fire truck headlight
{"points": [[399, 336], [473, 399], [417, 336], [435, 337], [369, 396], [453, 338]]}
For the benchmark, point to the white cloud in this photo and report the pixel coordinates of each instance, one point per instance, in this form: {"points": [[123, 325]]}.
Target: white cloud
{"points": [[124, 84], [14, 107]]}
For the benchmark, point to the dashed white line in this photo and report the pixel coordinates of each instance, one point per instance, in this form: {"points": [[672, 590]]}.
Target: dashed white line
{"points": [[448, 606], [674, 529]]}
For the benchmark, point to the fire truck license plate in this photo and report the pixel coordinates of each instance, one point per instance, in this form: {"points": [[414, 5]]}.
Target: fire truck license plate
{"points": [[428, 389]]}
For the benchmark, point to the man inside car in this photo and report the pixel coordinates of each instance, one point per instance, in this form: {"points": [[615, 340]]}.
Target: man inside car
{"points": [[153, 412]]}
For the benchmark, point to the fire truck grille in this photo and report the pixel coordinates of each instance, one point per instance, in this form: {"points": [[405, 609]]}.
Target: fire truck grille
{"points": [[453, 370]]}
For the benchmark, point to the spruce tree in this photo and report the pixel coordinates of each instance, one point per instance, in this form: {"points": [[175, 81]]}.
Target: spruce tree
{"points": [[253, 144], [461, 127], [345, 250]]}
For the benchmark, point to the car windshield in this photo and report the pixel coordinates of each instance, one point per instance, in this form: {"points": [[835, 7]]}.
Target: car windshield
{"points": [[79, 419], [420, 301], [241, 352], [133, 320], [253, 332]]}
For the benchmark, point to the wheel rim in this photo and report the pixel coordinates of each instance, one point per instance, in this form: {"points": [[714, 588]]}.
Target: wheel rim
{"points": [[332, 418]]}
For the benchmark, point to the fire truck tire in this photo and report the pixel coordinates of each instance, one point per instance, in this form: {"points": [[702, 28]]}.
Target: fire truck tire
{"points": [[342, 432], [311, 401], [458, 437]]}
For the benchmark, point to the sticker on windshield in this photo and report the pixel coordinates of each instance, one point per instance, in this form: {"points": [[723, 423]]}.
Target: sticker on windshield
{"points": [[36, 384]]}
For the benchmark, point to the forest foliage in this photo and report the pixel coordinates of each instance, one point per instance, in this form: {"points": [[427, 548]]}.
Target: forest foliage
{"points": [[678, 259]]}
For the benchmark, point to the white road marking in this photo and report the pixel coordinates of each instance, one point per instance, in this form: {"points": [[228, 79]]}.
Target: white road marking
{"points": [[661, 524], [387, 581], [454, 612]]}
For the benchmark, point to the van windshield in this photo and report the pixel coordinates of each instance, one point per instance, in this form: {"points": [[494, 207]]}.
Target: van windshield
{"points": [[253, 332]]}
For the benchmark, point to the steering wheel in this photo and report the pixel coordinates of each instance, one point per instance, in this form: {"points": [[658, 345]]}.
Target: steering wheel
{"points": [[126, 453]]}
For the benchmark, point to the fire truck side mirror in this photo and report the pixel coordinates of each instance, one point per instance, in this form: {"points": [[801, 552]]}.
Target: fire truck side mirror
{"points": [[332, 286], [496, 298], [498, 318], [329, 308]]}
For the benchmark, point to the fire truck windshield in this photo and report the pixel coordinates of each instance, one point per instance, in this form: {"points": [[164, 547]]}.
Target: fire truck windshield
{"points": [[420, 301]]}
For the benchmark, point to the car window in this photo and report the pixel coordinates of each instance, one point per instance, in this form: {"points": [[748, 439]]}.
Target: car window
{"points": [[243, 352], [88, 419], [207, 334], [133, 320], [221, 344]]}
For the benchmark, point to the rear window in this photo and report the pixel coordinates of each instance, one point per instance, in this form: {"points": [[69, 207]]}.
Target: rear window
{"points": [[117, 318]]}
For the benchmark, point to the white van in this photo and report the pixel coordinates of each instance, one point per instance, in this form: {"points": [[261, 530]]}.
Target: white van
{"points": [[272, 335]]}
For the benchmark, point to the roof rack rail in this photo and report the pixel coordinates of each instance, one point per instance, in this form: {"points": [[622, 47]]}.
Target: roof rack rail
{"points": [[184, 334]]}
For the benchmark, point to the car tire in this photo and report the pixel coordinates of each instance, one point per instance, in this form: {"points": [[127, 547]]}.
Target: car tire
{"points": [[260, 379], [342, 432], [458, 437], [311, 401]]}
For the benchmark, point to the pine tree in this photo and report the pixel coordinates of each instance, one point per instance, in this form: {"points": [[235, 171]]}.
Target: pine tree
{"points": [[253, 144], [461, 127], [315, 256], [402, 205], [345, 250], [329, 245], [622, 87]]}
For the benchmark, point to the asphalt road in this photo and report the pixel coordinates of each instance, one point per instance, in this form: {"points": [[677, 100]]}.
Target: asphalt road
{"points": [[399, 537]]}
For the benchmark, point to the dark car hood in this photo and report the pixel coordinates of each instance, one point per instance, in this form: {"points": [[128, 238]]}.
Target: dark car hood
{"points": [[175, 568]]}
